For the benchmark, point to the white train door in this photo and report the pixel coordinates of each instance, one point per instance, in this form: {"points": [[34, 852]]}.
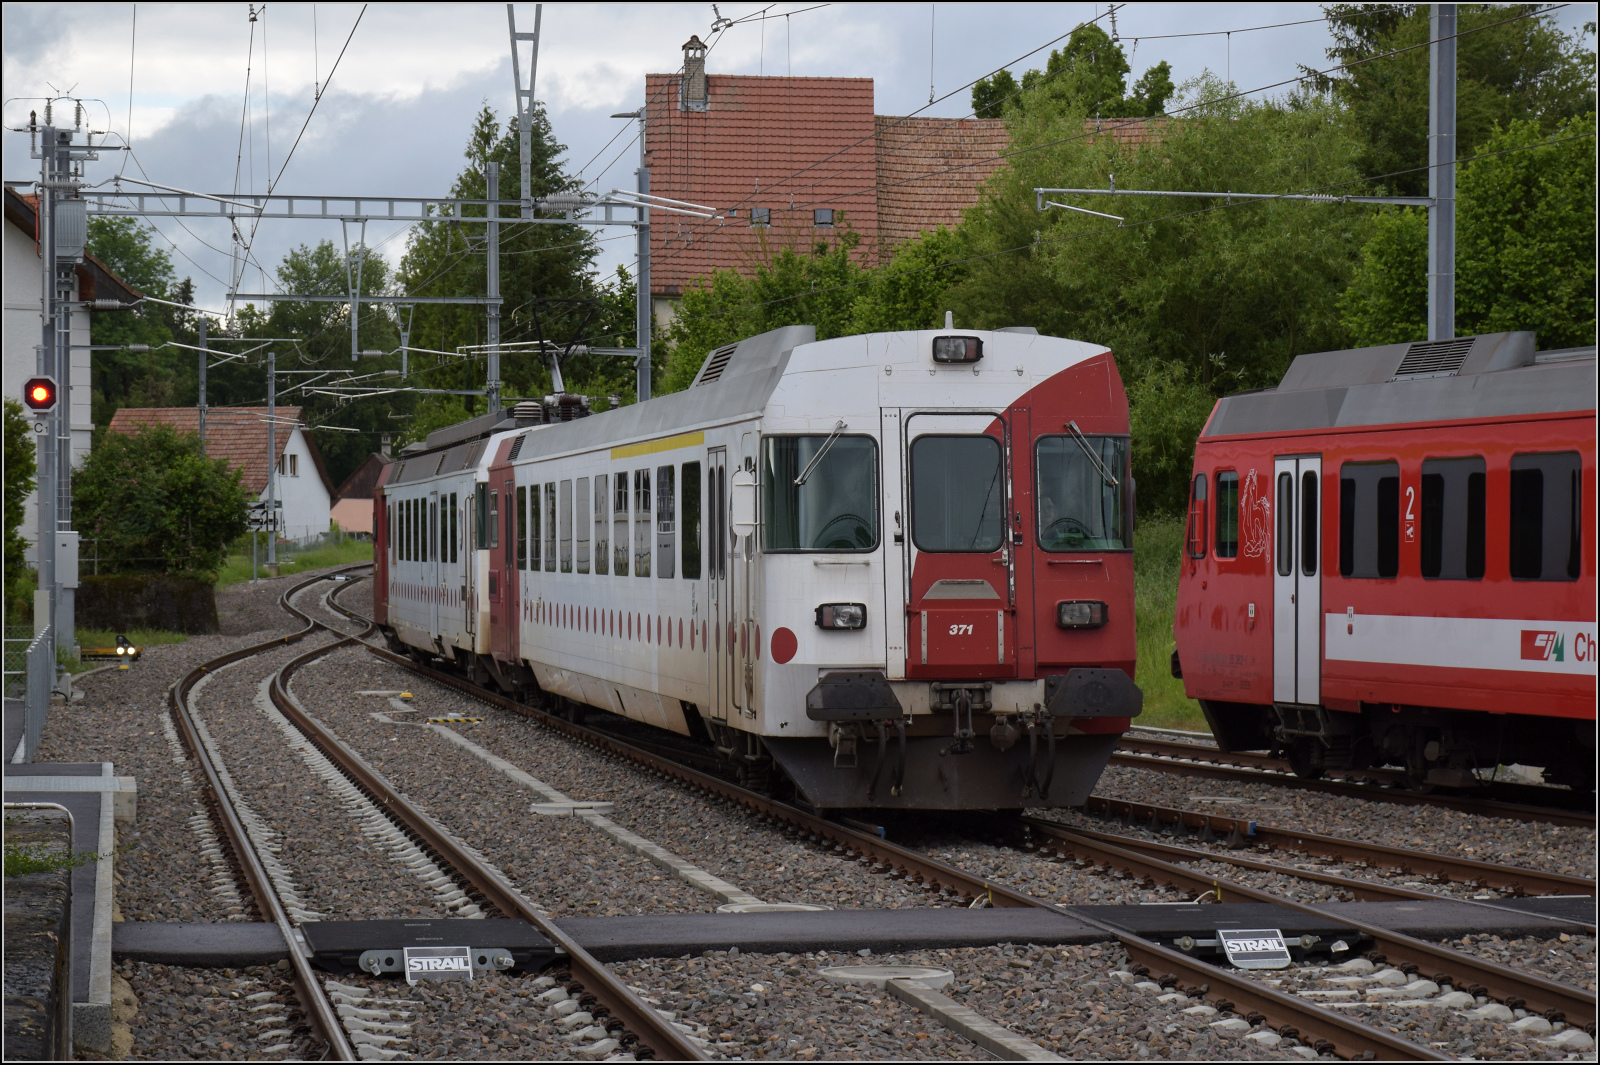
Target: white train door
{"points": [[432, 567], [720, 657], [1297, 581]]}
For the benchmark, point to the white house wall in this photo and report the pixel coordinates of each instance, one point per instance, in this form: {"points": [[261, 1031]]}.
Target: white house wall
{"points": [[307, 507]]}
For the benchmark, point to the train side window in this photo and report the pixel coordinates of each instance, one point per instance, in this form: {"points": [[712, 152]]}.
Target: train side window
{"points": [[690, 509], [494, 519], [512, 532], [641, 523], [527, 528], [1547, 516], [550, 527], [566, 526], [580, 515], [482, 506], [535, 538], [1227, 514], [619, 526], [602, 524], [1196, 534], [1308, 523], [1369, 519], [666, 525], [433, 531], [1285, 524], [455, 527], [412, 554], [388, 529], [1453, 519]]}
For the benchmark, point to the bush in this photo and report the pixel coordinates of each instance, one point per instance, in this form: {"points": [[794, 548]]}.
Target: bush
{"points": [[19, 475], [157, 504]]}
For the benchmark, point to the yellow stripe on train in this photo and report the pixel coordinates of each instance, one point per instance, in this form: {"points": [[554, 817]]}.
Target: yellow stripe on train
{"points": [[651, 447]]}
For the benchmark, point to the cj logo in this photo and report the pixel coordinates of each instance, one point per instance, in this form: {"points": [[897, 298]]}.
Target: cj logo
{"points": [[1543, 646]]}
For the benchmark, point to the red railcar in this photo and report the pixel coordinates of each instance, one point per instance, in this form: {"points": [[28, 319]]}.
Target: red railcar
{"points": [[1390, 559]]}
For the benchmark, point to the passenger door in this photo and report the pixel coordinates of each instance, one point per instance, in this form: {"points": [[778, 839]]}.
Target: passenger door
{"points": [[433, 567], [1297, 581], [720, 659], [960, 613]]}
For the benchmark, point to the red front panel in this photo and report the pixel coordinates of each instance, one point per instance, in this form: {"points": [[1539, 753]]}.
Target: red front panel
{"points": [[380, 547], [504, 527]]}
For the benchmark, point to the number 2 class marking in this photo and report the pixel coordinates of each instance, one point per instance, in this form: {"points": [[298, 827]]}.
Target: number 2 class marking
{"points": [[961, 630]]}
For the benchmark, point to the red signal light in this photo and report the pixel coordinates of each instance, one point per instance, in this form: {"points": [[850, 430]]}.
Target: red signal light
{"points": [[39, 394]]}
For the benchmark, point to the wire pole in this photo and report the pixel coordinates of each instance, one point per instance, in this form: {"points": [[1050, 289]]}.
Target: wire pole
{"points": [[642, 300], [272, 463], [44, 601], [201, 405], [524, 99], [1442, 173], [492, 385]]}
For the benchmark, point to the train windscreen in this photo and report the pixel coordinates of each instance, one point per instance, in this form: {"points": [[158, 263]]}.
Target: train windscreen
{"points": [[835, 508], [1081, 496]]}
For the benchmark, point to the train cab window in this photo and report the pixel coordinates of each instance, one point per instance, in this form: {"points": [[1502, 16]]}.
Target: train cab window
{"points": [[834, 508], [566, 526], [1547, 516], [666, 526], [1453, 519], [1285, 504], [494, 519], [527, 528], [602, 524], [580, 514], [957, 495], [619, 526], [690, 509], [1369, 519], [550, 527], [641, 523], [1308, 523], [1228, 514], [1195, 536], [1082, 502]]}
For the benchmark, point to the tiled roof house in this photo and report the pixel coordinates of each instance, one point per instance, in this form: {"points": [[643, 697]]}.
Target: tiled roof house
{"points": [[352, 503], [239, 435]]}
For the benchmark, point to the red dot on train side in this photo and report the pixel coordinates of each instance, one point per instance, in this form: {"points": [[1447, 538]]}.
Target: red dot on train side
{"points": [[784, 645]]}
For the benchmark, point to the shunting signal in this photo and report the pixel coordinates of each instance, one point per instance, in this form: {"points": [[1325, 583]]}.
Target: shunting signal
{"points": [[39, 394]]}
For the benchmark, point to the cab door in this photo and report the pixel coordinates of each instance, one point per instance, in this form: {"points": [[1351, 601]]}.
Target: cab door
{"points": [[961, 562], [433, 567], [1297, 581]]}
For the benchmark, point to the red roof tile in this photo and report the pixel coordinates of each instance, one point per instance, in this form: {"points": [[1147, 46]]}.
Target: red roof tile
{"points": [[237, 434], [930, 170]]}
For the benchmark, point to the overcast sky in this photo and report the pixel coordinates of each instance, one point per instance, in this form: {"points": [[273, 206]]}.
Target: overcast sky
{"points": [[394, 119]]}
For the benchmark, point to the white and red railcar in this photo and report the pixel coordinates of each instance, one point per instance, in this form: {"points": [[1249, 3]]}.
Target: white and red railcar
{"points": [[896, 567], [1390, 559]]}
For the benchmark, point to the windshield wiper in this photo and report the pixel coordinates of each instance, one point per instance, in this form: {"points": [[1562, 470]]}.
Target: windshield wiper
{"points": [[826, 444], [1077, 434]]}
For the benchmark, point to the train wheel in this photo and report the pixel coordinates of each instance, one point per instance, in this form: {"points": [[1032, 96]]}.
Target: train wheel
{"points": [[1305, 758], [1417, 774]]}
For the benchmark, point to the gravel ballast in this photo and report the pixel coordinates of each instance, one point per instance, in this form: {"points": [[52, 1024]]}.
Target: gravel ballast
{"points": [[216, 1014]]}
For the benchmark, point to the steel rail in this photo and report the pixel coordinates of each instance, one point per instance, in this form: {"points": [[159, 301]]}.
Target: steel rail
{"points": [[651, 1029], [1517, 989], [319, 1009], [1348, 788], [1514, 878], [1327, 1029]]}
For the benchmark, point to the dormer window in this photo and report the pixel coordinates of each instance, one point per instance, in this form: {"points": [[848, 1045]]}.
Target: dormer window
{"points": [[822, 217], [760, 216]]}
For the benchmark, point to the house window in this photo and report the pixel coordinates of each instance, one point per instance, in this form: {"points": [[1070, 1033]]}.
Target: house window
{"points": [[294, 465], [761, 216], [822, 217]]}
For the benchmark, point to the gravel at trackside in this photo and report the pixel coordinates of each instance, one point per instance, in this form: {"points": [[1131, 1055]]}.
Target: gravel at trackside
{"points": [[1569, 959], [1068, 882], [493, 1016], [1555, 848], [1066, 999], [725, 841], [1431, 1014], [189, 1014]]}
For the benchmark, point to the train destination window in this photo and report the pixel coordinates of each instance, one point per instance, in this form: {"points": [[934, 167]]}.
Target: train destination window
{"points": [[641, 523], [535, 532], [482, 506], [957, 497], [1285, 523], [550, 527], [691, 521], [835, 509], [1228, 514], [566, 526], [528, 528], [666, 528], [1547, 516], [602, 524], [1369, 519], [494, 519], [1078, 509], [1195, 536], [580, 513], [1453, 519], [1308, 523], [619, 539]]}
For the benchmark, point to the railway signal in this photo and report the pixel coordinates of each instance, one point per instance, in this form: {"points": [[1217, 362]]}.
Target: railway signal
{"points": [[39, 394]]}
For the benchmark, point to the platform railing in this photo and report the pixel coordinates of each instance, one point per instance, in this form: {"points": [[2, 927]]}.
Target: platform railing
{"points": [[41, 670]]}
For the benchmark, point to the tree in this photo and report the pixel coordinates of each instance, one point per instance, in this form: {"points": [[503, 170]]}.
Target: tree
{"points": [[156, 503], [1088, 74], [20, 468], [1525, 246], [1511, 65], [1207, 296]]}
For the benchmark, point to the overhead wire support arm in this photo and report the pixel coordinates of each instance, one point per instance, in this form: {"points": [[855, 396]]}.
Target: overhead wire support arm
{"points": [[1313, 197]]}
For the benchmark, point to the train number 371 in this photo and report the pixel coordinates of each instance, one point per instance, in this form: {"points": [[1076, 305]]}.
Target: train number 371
{"points": [[961, 630]]}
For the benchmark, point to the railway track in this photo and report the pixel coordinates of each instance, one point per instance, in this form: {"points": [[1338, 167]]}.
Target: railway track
{"points": [[615, 1004], [1190, 759]]}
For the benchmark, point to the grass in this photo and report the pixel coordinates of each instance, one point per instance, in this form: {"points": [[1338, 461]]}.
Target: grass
{"points": [[25, 858], [1157, 554], [237, 568]]}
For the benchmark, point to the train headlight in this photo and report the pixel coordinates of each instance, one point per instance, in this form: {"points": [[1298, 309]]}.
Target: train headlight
{"points": [[1080, 614], [957, 349], [842, 616]]}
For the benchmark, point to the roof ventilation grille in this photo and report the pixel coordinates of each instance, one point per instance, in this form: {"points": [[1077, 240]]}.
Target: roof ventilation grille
{"points": [[1435, 358], [716, 363], [516, 447]]}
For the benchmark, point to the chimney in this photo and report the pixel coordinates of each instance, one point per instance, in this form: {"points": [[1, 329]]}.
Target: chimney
{"points": [[692, 90], [384, 443]]}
